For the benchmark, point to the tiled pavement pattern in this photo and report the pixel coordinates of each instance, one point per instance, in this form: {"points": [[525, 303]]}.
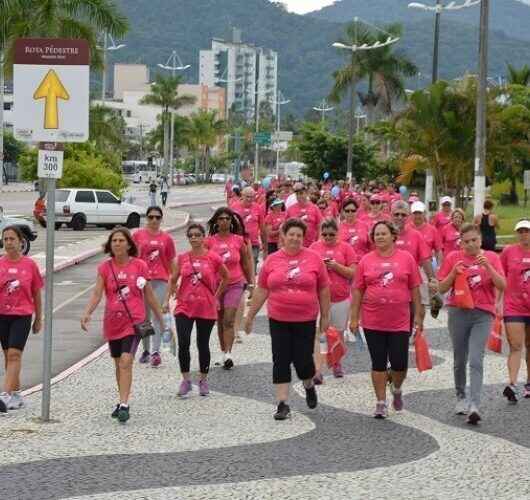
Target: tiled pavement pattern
{"points": [[228, 446]]}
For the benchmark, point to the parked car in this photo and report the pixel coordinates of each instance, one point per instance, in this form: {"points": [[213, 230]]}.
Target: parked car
{"points": [[219, 178], [26, 226], [78, 207], [190, 179]]}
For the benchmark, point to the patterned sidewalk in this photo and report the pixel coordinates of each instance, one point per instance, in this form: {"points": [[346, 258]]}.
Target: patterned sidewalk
{"points": [[228, 445]]}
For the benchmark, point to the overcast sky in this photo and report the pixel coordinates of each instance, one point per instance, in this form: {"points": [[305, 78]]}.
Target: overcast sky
{"points": [[303, 6]]}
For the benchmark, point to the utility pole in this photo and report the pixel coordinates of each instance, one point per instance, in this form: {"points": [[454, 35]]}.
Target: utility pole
{"points": [[237, 148], [172, 125], [2, 117], [104, 78], [256, 152], [480, 143]]}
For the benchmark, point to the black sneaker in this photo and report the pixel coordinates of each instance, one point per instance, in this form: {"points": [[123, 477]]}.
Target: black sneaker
{"points": [[114, 414], [283, 412], [311, 397], [473, 418], [510, 393], [228, 364], [3, 406], [123, 414]]}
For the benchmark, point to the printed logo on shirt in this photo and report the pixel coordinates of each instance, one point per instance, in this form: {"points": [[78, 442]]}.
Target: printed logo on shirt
{"points": [[474, 280], [124, 292], [12, 286], [526, 276], [386, 278], [122, 275], [155, 254], [226, 255], [12, 270], [292, 273]]}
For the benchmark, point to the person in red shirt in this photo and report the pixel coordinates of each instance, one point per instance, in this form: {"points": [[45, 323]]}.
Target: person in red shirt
{"points": [[450, 233], [203, 278], [157, 249], [443, 217], [469, 328], [295, 284], [20, 300], [273, 223], [326, 210], [39, 209], [376, 212], [431, 236], [352, 230], [253, 217], [307, 212], [124, 279], [515, 261], [340, 260], [386, 282], [227, 239]]}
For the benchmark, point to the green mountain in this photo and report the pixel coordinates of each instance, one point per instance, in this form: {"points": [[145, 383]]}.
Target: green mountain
{"points": [[306, 58]]}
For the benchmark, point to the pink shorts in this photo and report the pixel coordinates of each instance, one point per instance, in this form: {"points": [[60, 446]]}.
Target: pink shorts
{"points": [[232, 295]]}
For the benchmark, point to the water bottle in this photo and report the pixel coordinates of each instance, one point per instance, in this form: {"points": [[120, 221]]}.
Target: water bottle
{"points": [[323, 344], [166, 334]]}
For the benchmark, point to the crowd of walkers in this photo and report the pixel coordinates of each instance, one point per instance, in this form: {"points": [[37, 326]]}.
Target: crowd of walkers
{"points": [[361, 259]]}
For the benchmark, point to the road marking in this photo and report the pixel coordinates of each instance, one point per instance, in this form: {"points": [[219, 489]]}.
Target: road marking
{"points": [[74, 298]]}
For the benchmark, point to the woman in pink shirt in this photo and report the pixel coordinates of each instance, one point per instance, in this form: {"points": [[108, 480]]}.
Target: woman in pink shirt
{"points": [[227, 240], [352, 230], [157, 249], [340, 260], [273, 223], [450, 233], [203, 278], [295, 283], [386, 282], [443, 217], [20, 300], [124, 279], [326, 210], [469, 328], [516, 264], [307, 212]]}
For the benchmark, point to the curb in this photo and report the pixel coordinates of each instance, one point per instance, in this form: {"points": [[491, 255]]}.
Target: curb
{"points": [[196, 203]]}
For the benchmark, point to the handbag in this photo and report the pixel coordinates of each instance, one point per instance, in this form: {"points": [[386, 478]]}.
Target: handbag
{"points": [[143, 329], [495, 336], [336, 346], [423, 356], [462, 293]]}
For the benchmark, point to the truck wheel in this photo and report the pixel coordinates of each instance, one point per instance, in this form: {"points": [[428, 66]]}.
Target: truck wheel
{"points": [[78, 222]]}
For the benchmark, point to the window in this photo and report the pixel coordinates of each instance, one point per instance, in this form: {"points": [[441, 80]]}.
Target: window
{"points": [[106, 197], [61, 195], [129, 114], [85, 197]]}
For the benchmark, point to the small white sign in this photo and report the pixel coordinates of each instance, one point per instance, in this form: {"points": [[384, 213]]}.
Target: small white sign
{"points": [[50, 164], [282, 136], [527, 179]]}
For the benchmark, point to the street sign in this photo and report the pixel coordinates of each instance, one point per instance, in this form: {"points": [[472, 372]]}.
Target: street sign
{"points": [[280, 146], [282, 136], [51, 90], [50, 161], [527, 179], [262, 138]]}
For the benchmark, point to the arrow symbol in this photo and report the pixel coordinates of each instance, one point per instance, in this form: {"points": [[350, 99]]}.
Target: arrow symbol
{"points": [[51, 89]]}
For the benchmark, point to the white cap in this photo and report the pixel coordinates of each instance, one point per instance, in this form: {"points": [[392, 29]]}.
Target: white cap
{"points": [[446, 199], [417, 206], [522, 224]]}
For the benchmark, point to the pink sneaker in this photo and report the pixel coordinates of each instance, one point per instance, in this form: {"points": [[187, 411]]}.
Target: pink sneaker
{"points": [[185, 388], [337, 371], [203, 388], [156, 360]]}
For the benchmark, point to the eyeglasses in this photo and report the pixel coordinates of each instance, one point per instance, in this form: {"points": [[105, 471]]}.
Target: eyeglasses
{"points": [[154, 217], [401, 215], [349, 211], [195, 235], [223, 217], [375, 203], [298, 191], [330, 235]]}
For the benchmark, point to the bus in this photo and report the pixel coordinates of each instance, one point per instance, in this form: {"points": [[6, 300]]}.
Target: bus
{"points": [[140, 170]]}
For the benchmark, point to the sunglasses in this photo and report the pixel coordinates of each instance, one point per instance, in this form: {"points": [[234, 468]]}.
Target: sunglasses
{"points": [[223, 218], [330, 235], [401, 215], [154, 217], [297, 191], [375, 203], [350, 211]]}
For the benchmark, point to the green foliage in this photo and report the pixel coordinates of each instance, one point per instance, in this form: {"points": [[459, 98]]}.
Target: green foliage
{"points": [[12, 148], [28, 163], [323, 151]]}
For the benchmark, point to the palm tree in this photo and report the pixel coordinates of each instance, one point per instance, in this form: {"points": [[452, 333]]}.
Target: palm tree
{"points": [[164, 93], [519, 76], [203, 134], [107, 128]]}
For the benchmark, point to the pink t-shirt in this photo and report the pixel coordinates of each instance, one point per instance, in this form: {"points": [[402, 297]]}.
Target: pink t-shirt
{"points": [[229, 249], [441, 219], [342, 253], [199, 280], [18, 283], [412, 241], [450, 239], [516, 263], [157, 251], [131, 278], [330, 212], [293, 282], [478, 278], [253, 217], [356, 235], [430, 235], [274, 220], [311, 216], [369, 219], [387, 283]]}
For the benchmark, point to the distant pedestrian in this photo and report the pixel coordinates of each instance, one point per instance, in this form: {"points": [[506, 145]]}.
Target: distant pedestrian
{"points": [[20, 302], [307, 212], [488, 223], [443, 217], [164, 189], [295, 284], [273, 223], [152, 193], [124, 280], [450, 233], [202, 278]]}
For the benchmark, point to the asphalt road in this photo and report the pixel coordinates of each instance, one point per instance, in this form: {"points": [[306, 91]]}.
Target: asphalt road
{"points": [[71, 292]]}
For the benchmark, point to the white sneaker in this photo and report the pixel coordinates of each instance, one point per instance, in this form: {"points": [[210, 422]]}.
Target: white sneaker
{"points": [[16, 401], [462, 407], [238, 338]]}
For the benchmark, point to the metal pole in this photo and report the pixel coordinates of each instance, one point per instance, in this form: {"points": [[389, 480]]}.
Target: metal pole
{"points": [[237, 148], [480, 143], [349, 166], [2, 117], [48, 304], [104, 78], [278, 128], [172, 132], [256, 152]]}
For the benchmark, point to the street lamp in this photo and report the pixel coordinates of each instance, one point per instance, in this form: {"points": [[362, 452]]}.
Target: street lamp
{"points": [[355, 49], [438, 9], [256, 151], [280, 102], [324, 108], [2, 90], [173, 64], [106, 48]]}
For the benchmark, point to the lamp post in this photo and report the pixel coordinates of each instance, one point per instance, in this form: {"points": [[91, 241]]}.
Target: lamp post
{"points": [[256, 151], [173, 64], [280, 102], [2, 117], [324, 108], [437, 9], [355, 49], [107, 48]]}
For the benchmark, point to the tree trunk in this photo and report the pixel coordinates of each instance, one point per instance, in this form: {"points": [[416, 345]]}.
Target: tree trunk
{"points": [[514, 199]]}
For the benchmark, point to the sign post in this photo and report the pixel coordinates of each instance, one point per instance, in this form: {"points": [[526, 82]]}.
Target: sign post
{"points": [[51, 100], [526, 186]]}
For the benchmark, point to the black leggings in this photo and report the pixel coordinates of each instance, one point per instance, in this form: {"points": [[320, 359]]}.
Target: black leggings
{"points": [[204, 329], [388, 346], [292, 343]]}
